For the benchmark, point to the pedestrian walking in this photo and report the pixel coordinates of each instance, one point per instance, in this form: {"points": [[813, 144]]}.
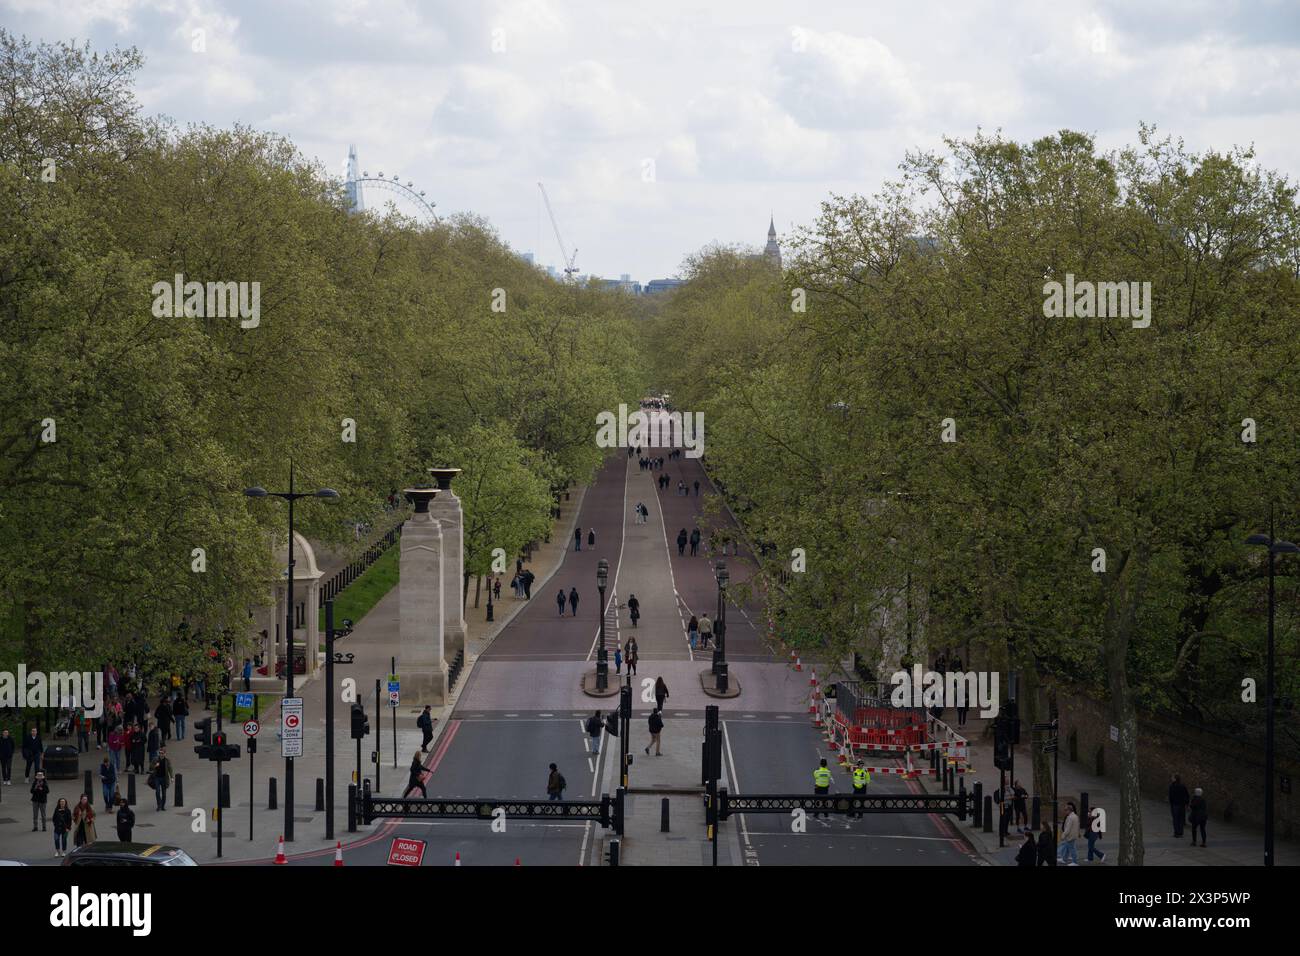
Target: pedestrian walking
{"points": [[160, 778], [634, 608], [693, 631], [560, 599], [1199, 814], [107, 780], [706, 631], [1018, 795], [62, 820], [630, 654], [555, 784], [577, 539], [40, 791], [138, 741], [1046, 846], [681, 542], [1178, 800], [661, 692], [697, 488], [163, 714], [529, 577], [595, 724], [1095, 817], [115, 740], [125, 819], [695, 542], [618, 659], [416, 778], [496, 587], [180, 710], [83, 822], [1068, 852], [573, 600], [33, 753], [425, 723], [154, 743], [6, 758], [248, 675], [591, 537], [83, 730], [822, 784], [656, 725], [1028, 855]]}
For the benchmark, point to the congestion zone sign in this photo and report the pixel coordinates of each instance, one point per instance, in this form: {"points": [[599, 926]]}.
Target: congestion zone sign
{"points": [[406, 852]]}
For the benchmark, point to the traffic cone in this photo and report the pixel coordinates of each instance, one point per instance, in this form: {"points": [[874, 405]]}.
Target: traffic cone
{"points": [[813, 679], [280, 859], [338, 853], [458, 858]]}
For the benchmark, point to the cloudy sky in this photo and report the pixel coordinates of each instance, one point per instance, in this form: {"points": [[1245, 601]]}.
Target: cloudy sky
{"points": [[661, 127]]}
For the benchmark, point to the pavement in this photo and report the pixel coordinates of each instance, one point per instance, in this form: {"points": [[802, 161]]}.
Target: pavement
{"points": [[1230, 844]]}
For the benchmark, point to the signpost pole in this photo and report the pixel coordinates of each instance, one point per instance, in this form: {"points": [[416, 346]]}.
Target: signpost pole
{"points": [[394, 709], [252, 755], [329, 720], [379, 729]]}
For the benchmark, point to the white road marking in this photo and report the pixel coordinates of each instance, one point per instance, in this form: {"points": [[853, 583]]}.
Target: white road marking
{"points": [[735, 783]]}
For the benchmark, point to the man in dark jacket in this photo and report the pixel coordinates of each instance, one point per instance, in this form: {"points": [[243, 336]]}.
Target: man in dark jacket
{"points": [[1046, 846], [125, 820], [163, 714], [180, 710], [40, 795], [528, 579], [577, 539], [681, 542], [594, 726], [695, 542], [1178, 800], [1199, 813], [573, 601], [33, 753], [425, 723], [6, 757], [1028, 855]]}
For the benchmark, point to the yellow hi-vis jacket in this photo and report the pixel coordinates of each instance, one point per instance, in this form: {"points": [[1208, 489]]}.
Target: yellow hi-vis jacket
{"points": [[822, 777], [861, 777]]}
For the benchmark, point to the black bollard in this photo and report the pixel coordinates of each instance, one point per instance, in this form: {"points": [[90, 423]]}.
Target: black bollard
{"points": [[271, 804], [977, 815], [988, 814], [663, 815], [178, 799], [130, 789], [352, 808], [1035, 814], [320, 794], [613, 853]]}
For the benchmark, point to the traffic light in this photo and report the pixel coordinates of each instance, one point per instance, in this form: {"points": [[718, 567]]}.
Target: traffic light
{"points": [[1001, 742], [360, 722], [1013, 722], [203, 731]]}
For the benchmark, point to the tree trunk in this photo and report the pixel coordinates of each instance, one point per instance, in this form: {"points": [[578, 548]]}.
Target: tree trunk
{"points": [[1121, 614], [478, 587]]}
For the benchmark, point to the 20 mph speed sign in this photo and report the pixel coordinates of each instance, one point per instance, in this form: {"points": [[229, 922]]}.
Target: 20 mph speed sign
{"points": [[251, 727]]}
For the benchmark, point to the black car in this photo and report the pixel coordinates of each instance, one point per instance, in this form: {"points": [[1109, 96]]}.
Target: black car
{"points": [[128, 854]]}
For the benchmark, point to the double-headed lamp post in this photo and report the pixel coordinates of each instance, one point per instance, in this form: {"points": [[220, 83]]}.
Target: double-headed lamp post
{"points": [[1274, 547], [290, 496], [602, 656], [720, 629]]}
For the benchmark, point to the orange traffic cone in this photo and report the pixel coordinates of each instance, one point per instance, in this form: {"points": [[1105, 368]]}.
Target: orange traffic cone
{"points": [[458, 858], [279, 853], [338, 853], [813, 679]]}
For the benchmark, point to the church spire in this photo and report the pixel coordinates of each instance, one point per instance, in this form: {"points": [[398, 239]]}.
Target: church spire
{"points": [[772, 251]]}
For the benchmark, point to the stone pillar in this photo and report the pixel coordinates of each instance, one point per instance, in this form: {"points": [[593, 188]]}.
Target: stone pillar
{"points": [[446, 508], [421, 662]]}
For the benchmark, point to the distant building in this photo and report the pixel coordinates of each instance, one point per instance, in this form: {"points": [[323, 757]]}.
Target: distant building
{"points": [[655, 286], [624, 283], [772, 251]]}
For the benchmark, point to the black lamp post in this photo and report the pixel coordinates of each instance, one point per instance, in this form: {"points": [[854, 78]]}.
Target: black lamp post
{"points": [[602, 656], [720, 629], [290, 496], [1274, 547]]}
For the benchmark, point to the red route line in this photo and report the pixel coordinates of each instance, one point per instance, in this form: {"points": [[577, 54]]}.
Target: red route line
{"points": [[385, 829]]}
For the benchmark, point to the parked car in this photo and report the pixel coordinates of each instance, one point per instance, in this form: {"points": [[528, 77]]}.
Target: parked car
{"points": [[128, 854]]}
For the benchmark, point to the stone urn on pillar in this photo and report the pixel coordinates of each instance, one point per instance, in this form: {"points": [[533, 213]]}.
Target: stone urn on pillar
{"points": [[446, 508], [421, 594]]}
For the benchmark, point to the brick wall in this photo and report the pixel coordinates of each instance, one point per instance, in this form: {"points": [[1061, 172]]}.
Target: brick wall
{"points": [[1230, 770]]}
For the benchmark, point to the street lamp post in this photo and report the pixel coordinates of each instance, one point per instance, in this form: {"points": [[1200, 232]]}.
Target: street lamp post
{"points": [[720, 629], [602, 656], [1275, 547], [290, 496]]}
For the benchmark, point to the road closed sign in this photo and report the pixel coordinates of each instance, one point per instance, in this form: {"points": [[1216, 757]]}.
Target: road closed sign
{"points": [[406, 852]]}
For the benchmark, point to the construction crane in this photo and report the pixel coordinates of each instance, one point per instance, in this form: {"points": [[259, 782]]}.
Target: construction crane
{"points": [[570, 261]]}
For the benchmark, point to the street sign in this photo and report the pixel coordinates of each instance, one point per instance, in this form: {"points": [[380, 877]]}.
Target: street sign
{"points": [[394, 690], [1114, 733], [291, 727], [406, 852], [244, 701], [251, 727]]}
